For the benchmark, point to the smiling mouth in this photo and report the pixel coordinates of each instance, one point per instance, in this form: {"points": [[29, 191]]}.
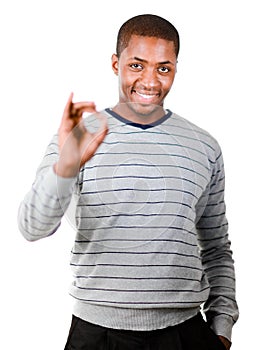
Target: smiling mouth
{"points": [[146, 96], [149, 97]]}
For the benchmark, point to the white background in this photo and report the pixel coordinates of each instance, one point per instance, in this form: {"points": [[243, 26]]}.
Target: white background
{"points": [[50, 48]]}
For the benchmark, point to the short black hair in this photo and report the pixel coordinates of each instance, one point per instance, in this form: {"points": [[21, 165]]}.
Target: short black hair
{"points": [[147, 25]]}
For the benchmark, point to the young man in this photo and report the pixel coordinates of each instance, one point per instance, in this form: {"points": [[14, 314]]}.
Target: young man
{"points": [[152, 246]]}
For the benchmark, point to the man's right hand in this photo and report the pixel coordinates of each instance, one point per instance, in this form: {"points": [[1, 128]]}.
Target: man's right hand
{"points": [[76, 144]]}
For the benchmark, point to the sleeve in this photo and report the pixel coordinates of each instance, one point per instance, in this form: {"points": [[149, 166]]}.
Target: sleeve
{"points": [[221, 308], [43, 207]]}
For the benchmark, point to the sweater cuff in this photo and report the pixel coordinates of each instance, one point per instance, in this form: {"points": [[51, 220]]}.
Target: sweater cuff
{"points": [[57, 186], [222, 325]]}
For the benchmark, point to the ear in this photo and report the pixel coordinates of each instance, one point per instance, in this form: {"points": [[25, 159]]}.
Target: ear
{"points": [[115, 63]]}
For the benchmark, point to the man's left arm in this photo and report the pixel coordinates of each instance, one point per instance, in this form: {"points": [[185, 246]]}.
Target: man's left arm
{"points": [[221, 308]]}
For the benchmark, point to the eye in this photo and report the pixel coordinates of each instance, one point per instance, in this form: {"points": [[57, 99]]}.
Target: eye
{"points": [[136, 66], [163, 69]]}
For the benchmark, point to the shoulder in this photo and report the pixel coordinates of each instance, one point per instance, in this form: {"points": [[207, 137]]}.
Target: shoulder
{"points": [[196, 133]]}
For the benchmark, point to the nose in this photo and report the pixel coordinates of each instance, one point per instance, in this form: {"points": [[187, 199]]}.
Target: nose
{"points": [[149, 79]]}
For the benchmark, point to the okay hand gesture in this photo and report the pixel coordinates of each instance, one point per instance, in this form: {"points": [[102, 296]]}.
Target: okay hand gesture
{"points": [[76, 144]]}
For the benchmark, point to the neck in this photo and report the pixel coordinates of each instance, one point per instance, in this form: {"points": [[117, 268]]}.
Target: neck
{"points": [[141, 114]]}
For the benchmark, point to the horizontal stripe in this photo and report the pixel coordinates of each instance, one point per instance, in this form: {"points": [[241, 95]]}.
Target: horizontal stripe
{"points": [[137, 278], [55, 202], [140, 177], [194, 268], [141, 302], [213, 216], [49, 215], [109, 153], [105, 142], [145, 165], [142, 291], [146, 228], [212, 228], [197, 150], [134, 240], [34, 228], [139, 190], [159, 215], [130, 202], [137, 253]]}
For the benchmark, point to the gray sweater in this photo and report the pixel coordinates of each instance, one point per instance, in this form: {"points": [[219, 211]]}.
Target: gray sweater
{"points": [[152, 242]]}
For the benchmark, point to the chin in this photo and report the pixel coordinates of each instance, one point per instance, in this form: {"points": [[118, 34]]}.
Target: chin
{"points": [[145, 109]]}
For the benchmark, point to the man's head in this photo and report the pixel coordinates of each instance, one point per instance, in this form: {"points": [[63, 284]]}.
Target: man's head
{"points": [[145, 63], [147, 25]]}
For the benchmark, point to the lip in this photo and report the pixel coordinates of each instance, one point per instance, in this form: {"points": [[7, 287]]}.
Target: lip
{"points": [[145, 96]]}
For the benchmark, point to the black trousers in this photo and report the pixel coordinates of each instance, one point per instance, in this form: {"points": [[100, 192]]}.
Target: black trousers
{"points": [[193, 334]]}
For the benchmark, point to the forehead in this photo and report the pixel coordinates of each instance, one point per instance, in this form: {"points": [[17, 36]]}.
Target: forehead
{"points": [[150, 47]]}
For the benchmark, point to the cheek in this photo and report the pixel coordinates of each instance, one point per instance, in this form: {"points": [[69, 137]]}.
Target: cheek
{"points": [[124, 87], [126, 78], [167, 83]]}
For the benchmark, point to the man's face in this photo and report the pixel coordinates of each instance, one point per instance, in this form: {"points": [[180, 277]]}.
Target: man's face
{"points": [[146, 70]]}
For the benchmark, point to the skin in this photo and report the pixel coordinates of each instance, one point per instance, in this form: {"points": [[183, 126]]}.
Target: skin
{"points": [[76, 144], [225, 342], [146, 70]]}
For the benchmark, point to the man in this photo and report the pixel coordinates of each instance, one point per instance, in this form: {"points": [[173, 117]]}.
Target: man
{"points": [[151, 246]]}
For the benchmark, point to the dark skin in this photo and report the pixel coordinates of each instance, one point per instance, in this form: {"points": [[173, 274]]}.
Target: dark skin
{"points": [[76, 144], [225, 341], [146, 70]]}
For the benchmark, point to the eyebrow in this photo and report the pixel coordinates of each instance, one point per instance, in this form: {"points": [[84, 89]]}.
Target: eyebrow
{"points": [[145, 61]]}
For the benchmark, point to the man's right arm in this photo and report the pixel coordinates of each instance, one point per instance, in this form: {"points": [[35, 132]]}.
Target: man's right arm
{"points": [[43, 207]]}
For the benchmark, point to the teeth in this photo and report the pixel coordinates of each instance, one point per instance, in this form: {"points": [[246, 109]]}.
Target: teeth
{"points": [[145, 96]]}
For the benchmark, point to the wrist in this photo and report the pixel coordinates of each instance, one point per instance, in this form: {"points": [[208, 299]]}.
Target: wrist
{"points": [[65, 171], [225, 342]]}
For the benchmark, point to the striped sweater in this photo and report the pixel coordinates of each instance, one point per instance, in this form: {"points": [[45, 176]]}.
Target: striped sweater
{"points": [[152, 240]]}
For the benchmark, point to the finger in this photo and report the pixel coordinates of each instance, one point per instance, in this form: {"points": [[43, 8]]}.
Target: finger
{"points": [[82, 104], [76, 109], [68, 106], [101, 136], [94, 143], [95, 139], [80, 107], [66, 123], [77, 118]]}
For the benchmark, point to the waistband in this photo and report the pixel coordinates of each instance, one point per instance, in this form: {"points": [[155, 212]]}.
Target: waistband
{"points": [[132, 319]]}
